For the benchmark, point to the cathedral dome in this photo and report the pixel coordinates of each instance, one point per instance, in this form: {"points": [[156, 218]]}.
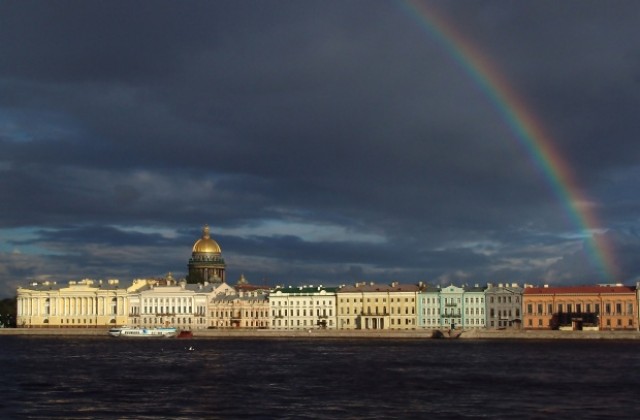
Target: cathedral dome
{"points": [[206, 244]]}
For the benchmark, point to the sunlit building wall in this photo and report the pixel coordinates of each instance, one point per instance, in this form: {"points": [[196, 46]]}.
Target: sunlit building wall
{"points": [[429, 307], [240, 308], [371, 306], [167, 302], [451, 308], [602, 307], [83, 303], [304, 307], [473, 307]]}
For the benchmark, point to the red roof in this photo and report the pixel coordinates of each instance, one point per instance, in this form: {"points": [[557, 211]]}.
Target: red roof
{"points": [[570, 290], [250, 287]]}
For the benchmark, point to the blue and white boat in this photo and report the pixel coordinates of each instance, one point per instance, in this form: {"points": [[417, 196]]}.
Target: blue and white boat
{"points": [[136, 332]]}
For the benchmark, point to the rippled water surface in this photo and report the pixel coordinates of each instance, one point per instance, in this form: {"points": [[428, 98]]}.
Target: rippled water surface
{"points": [[90, 377]]}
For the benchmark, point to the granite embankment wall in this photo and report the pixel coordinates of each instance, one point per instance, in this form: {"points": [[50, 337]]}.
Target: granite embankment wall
{"points": [[367, 334]]}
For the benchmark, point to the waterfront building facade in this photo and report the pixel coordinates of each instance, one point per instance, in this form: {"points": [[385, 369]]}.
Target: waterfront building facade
{"points": [[77, 304], [167, 302], [602, 307], [403, 306], [429, 307], [349, 308], [504, 306], [370, 306], [451, 308], [246, 306], [473, 307], [303, 307]]}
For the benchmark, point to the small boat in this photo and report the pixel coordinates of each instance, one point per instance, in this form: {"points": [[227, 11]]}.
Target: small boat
{"points": [[185, 334], [136, 332], [451, 334]]}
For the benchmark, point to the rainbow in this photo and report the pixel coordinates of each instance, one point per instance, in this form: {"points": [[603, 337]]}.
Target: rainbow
{"points": [[529, 133]]}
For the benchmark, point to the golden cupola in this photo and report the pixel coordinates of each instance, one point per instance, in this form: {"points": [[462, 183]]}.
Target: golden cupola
{"points": [[206, 244], [206, 263]]}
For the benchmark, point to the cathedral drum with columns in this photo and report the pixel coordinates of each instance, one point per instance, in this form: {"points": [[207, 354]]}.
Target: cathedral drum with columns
{"points": [[206, 263]]}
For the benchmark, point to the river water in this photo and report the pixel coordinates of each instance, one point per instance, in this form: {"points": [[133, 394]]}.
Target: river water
{"points": [[95, 377]]}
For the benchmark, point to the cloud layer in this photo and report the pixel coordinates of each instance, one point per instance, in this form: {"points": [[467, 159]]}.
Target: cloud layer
{"points": [[324, 142]]}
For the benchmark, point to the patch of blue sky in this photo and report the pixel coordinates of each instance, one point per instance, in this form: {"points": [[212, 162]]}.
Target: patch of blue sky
{"points": [[309, 232], [23, 241], [149, 230], [22, 126], [487, 248]]}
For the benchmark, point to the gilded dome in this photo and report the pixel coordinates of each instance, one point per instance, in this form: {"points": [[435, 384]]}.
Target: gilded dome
{"points": [[206, 244]]}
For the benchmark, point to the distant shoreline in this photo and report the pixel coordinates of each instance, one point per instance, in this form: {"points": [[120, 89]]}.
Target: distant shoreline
{"points": [[351, 334]]}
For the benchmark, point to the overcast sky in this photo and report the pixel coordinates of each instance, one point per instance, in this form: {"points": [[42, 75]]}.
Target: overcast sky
{"points": [[324, 142]]}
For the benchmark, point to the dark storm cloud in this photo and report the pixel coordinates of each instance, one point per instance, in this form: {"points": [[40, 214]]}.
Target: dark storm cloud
{"points": [[346, 116], [577, 69]]}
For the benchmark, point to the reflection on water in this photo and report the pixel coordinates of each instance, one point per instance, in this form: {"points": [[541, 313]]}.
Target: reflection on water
{"points": [[89, 377]]}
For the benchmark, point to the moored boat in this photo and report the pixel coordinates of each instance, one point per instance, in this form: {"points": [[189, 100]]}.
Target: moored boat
{"points": [[136, 332], [185, 334], [448, 335]]}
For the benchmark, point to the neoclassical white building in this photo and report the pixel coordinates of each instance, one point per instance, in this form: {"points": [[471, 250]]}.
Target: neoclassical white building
{"points": [[83, 303], [302, 308], [168, 302]]}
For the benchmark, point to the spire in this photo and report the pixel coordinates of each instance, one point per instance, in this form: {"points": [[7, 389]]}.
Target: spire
{"points": [[205, 232]]}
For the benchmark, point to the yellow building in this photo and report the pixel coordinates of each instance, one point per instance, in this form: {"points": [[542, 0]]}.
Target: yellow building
{"points": [[380, 307]]}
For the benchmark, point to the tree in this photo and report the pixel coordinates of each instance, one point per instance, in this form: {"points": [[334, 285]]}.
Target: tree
{"points": [[8, 312]]}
